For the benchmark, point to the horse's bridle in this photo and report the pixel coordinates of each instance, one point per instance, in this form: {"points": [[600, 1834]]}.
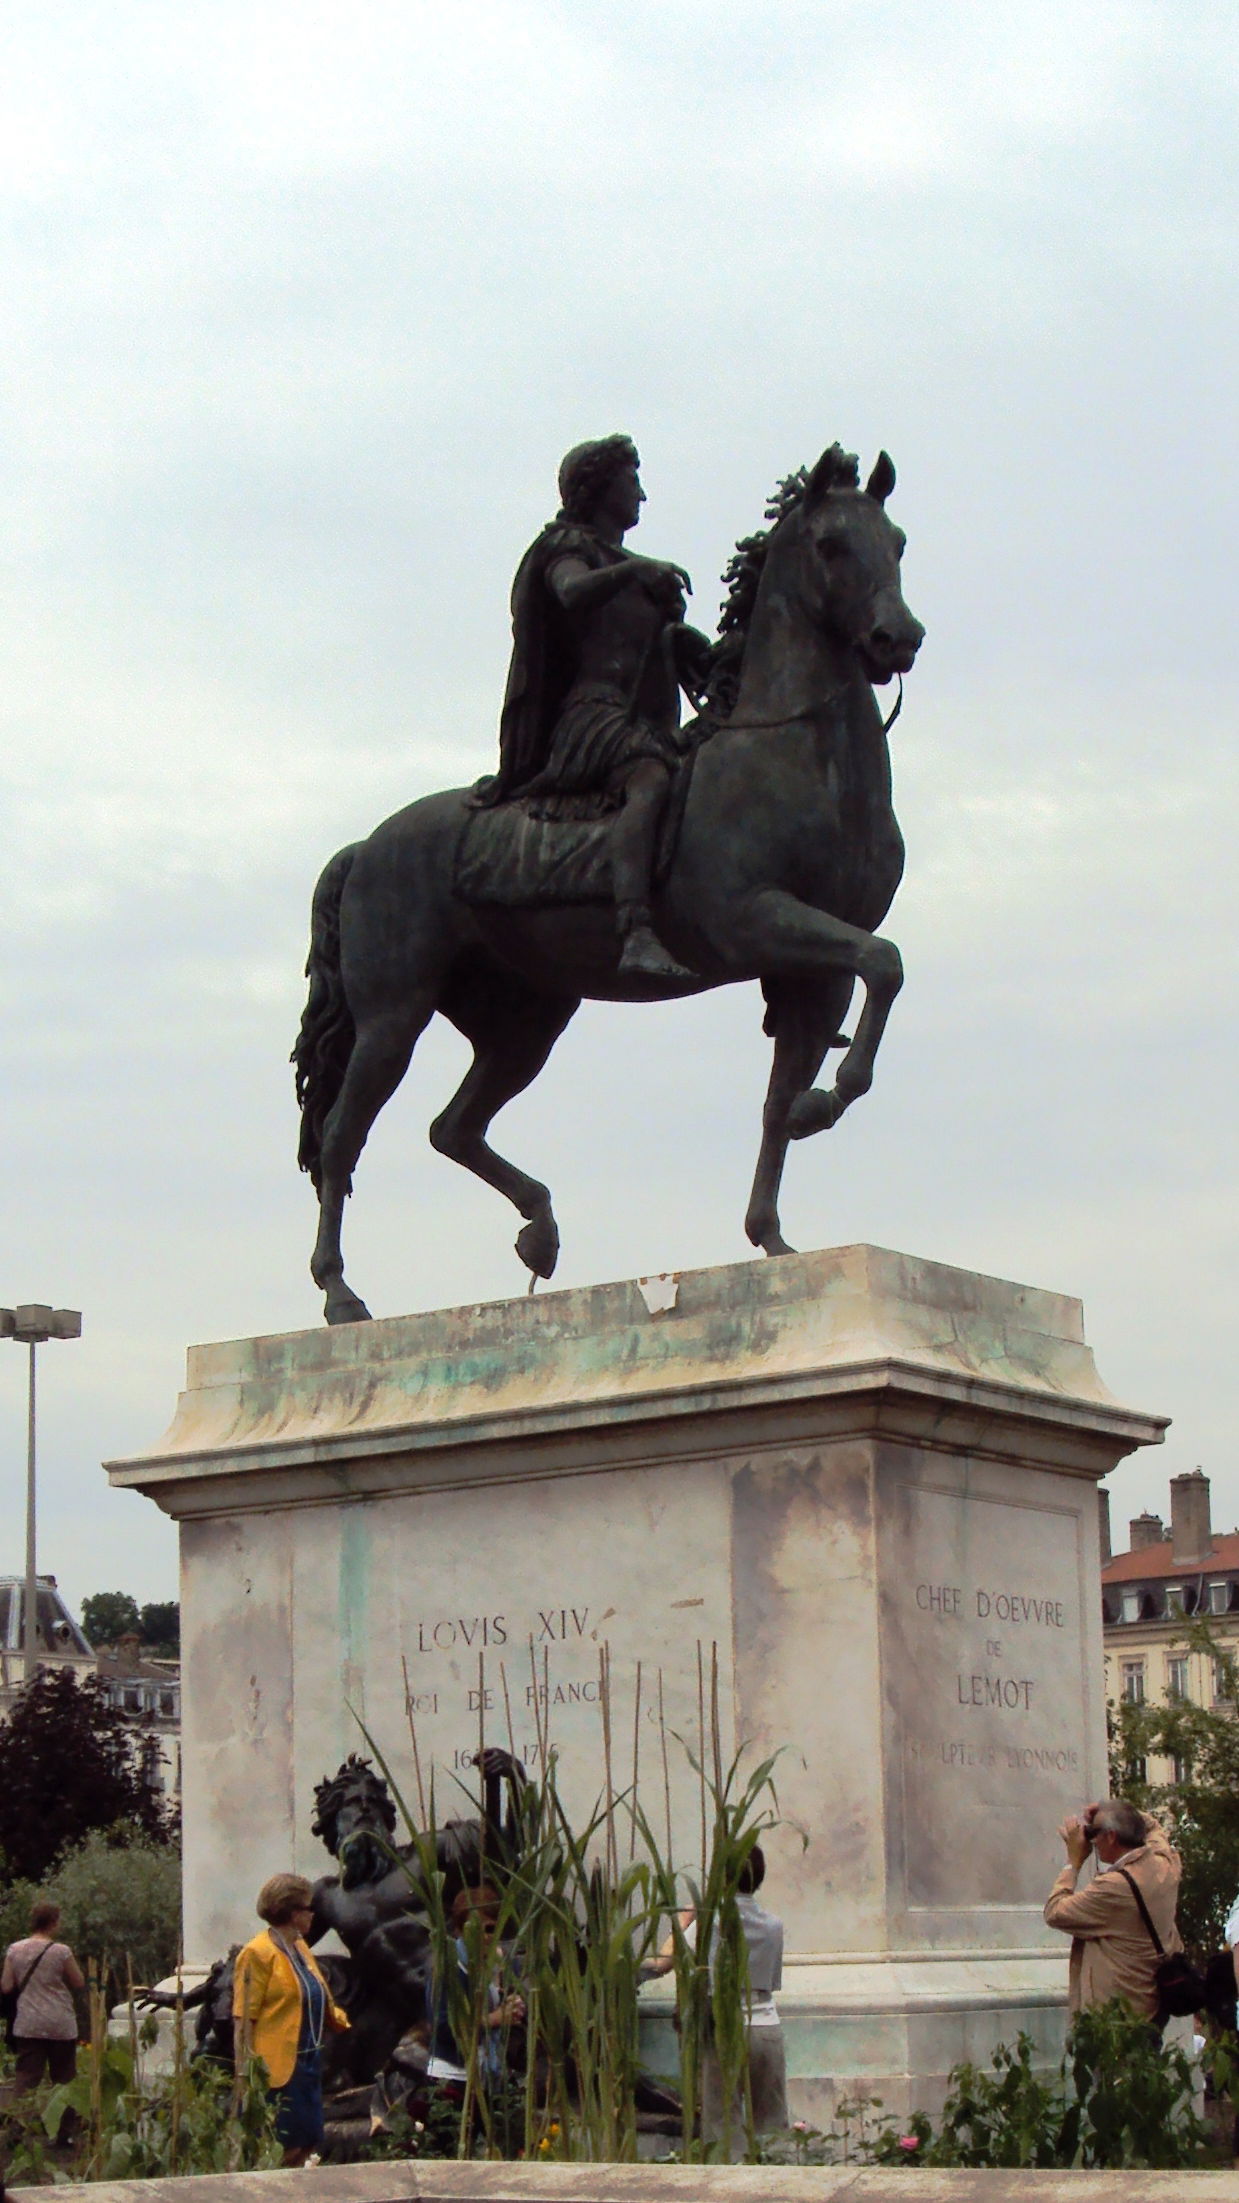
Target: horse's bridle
{"points": [[762, 726]]}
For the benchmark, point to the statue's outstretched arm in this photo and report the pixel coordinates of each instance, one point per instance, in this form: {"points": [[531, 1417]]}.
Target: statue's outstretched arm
{"points": [[497, 1768]]}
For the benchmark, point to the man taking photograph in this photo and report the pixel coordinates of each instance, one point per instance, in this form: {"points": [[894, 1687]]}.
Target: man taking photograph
{"points": [[1112, 1951]]}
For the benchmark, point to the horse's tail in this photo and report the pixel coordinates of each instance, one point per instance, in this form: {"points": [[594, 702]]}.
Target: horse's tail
{"points": [[325, 1041]]}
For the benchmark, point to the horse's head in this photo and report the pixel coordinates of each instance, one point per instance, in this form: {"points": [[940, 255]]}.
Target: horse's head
{"points": [[849, 563], [354, 1816]]}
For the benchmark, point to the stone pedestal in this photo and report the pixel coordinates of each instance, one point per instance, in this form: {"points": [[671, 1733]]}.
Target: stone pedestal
{"points": [[867, 1480]]}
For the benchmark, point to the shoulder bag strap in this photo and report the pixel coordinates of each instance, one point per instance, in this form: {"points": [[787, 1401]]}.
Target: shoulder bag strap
{"points": [[31, 1971], [1144, 1910]]}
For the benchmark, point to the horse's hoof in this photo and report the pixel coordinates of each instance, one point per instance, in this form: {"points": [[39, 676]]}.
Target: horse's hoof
{"points": [[814, 1111], [767, 1238], [343, 1306], [538, 1245]]}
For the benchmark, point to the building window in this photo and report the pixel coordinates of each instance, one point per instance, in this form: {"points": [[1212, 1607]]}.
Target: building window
{"points": [[1181, 1768], [131, 1701], [1177, 1679], [1131, 1606], [167, 1704], [1174, 1598], [1219, 1598], [1133, 1682], [1222, 1686]]}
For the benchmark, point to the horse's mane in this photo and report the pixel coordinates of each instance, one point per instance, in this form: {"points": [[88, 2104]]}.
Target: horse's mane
{"points": [[743, 572]]}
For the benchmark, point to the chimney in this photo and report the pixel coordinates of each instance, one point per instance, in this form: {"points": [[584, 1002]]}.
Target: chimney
{"points": [[1103, 1510], [1146, 1529], [1190, 1527]]}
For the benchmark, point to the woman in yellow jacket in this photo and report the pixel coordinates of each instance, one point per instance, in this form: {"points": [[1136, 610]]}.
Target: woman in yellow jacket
{"points": [[281, 2007]]}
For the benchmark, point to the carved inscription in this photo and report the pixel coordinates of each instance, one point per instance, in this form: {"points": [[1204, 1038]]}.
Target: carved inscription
{"points": [[556, 1625], [993, 1680], [1020, 1610], [986, 1674], [473, 1648]]}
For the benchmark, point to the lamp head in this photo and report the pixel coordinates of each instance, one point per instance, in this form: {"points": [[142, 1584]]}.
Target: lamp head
{"points": [[34, 1323]]}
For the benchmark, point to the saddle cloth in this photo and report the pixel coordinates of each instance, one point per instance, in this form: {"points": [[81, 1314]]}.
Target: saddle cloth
{"points": [[516, 856], [510, 856]]}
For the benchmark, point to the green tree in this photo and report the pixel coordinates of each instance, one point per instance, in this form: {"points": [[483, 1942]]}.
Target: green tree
{"points": [[69, 1763], [120, 1904], [1201, 1811], [160, 1624], [107, 1615]]}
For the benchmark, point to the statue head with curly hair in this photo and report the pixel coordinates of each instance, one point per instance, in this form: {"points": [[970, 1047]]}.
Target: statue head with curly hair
{"points": [[354, 1817], [590, 471]]}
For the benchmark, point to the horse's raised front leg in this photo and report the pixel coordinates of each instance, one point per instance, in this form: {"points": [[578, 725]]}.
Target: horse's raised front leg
{"points": [[381, 1051], [791, 939], [513, 1030], [804, 1018]]}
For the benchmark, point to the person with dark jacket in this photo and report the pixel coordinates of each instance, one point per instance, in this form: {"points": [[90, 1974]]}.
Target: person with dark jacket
{"points": [[447, 2066]]}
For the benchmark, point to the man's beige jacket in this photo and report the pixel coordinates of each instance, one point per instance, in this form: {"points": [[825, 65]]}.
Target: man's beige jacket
{"points": [[1112, 1951]]}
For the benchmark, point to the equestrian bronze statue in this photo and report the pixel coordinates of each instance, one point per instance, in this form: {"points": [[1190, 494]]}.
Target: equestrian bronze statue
{"points": [[618, 855]]}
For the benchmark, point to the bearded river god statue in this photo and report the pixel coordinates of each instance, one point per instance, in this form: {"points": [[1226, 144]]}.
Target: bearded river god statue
{"points": [[618, 855]]}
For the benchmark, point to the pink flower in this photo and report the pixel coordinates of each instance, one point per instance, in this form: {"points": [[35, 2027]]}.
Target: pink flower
{"points": [[800, 2126], [909, 2141]]}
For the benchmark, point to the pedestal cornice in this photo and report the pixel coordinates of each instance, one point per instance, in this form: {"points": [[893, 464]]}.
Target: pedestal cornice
{"points": [[851, 1339]]}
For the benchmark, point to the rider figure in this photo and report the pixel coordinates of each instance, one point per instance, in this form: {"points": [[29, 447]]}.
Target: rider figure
{"points": [[600, 653]]}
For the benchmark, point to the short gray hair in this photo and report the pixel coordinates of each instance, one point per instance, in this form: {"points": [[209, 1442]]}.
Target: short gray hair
{"points": [[1119, 1819]]}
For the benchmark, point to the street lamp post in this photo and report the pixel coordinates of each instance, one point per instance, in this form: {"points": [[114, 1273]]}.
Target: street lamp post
{"points": [[32, 1326]]}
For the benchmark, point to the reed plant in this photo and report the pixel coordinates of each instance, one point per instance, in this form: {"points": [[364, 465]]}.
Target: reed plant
{"points": [[581, 1910]]}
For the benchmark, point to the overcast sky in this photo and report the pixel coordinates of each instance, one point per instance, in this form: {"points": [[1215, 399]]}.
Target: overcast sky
{"points": [[303, 304]]}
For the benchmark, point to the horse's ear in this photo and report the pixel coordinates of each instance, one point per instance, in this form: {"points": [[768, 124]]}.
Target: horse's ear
{"points": [[836, 469], [882, 481]]}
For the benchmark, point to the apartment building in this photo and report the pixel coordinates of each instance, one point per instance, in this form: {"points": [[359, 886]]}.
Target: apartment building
{"points": [[1168, 1576]]}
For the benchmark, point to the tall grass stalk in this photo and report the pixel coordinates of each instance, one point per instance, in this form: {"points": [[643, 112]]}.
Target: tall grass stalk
{"points": [[575, 1926]]}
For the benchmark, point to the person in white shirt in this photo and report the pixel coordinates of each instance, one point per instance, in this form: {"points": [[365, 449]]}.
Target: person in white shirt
{"points": [[763, 1938]]}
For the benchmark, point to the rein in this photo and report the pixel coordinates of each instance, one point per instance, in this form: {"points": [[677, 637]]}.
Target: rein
{"points": [[761, 726]]}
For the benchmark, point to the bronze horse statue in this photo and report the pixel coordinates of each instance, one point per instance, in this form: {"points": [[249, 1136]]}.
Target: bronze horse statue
{"points": [[787, 859]]}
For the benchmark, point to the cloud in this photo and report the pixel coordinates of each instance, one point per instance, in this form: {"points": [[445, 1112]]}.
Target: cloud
{"points": [[303, 305]]}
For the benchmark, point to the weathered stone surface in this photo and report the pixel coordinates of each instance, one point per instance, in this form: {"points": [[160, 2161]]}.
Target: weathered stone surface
{"points": [[441, 2182], [808, 1327], [867, 1480]]}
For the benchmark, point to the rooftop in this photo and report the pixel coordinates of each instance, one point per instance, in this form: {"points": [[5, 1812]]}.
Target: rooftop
{"points": [[57, 1631], [1149, 1562]]}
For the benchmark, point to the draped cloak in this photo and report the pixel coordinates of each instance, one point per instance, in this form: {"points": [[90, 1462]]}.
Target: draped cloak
{"points": [[541, 671]]}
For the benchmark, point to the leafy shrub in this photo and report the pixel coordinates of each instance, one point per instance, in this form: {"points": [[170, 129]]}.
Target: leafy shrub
{"points": [[1009, 2116], [121, 1908], [192, 2120], [1119, 2099]]}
